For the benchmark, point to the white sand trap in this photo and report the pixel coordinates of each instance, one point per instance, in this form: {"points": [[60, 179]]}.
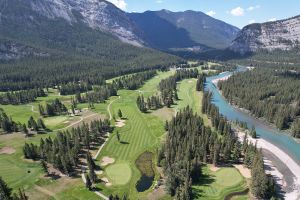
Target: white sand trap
{"points": [[7, 150], [106, 181], [243, 170], [190, 81], [120, 123], [99, 172], [214, 168], [107, 161], [66, 122]]}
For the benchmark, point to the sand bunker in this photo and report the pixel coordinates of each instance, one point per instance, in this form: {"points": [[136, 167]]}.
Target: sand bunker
{"points": [[99, 172], [7, 150], [120, 123], [106, 181], [107, 160], [190, 81], [214, 168], [243, 170]]}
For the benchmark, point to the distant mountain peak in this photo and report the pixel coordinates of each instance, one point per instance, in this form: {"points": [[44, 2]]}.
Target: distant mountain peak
{"points": [[281, 34]]}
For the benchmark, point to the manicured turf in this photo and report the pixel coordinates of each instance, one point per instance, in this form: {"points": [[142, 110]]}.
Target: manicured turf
{"points": [[217, 185], [141, 132], [119, 173], [190, 97], [16, 171]]}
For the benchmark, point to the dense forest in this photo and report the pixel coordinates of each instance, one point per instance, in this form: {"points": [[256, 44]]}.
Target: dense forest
{"points": [[64, 151], [273, 94], [189, 145], [21, 97], [48, 72]]}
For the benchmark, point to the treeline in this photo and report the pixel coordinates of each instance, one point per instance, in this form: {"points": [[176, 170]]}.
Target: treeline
{"points": [[21, 97], [262, 185], [50, 72], [53, 109], [73, 88], [188, 144], [133, 81], [273, 94], [200, 82], [8, 125], [65, 150], [168, 91], [6, 192]]}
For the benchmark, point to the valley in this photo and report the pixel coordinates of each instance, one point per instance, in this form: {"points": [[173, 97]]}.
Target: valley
{"points": [[116, 99]]}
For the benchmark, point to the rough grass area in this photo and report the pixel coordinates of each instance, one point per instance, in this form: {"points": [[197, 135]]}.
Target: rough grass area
{"points": [[217, 185], [119, 173]]}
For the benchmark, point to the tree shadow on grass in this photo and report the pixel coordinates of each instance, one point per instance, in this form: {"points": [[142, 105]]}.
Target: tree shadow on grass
{"points": [[123, 142], [206, 180]]}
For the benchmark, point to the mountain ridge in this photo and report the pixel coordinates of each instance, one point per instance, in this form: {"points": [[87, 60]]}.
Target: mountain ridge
{"points": [[282, 34]]}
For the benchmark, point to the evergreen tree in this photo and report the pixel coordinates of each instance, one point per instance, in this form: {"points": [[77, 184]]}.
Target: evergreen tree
{"points": [[88, 183], [120, 114], [5, 191]]}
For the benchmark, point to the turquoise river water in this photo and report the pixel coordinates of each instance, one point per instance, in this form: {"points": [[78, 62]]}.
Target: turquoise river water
{"points": [[272, 135]]}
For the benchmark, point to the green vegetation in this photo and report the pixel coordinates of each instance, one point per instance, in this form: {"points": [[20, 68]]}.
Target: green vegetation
{"points": [[269, 93], [216, 185], [119, 173]]}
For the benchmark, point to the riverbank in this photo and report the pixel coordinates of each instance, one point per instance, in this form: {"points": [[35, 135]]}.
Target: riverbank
{"points": [[280, 165]]}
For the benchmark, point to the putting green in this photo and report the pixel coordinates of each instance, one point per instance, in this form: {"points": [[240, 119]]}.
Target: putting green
{"points": [[119, 174], [217, 185]]}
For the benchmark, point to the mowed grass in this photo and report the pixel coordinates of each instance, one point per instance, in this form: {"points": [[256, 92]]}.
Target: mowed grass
{"points": [[13, 168], [188, 96], [119, 173], [217, 185], [141, 133]]}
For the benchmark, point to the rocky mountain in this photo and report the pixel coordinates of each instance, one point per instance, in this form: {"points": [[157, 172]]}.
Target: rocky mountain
{"points": [[189, 30], [97, 14], [280, 35]]}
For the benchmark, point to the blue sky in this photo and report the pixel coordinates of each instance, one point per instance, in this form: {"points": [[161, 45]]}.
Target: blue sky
{"points": [[235, 12]]}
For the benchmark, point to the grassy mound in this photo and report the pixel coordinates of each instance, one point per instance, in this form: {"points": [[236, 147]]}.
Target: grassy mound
{"points": [[119, 174]]}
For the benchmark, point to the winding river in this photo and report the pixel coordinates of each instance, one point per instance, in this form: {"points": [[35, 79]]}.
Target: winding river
{"points": [[270, 134]]}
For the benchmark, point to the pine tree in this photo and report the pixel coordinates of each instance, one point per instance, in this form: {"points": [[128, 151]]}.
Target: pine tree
{"points": [[44, 166], [120, 114], [5, 191], [41, 124], [118, 136], [88, 183]]}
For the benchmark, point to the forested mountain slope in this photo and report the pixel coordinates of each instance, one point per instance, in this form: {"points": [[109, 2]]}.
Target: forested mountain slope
{"points": [[66, 40], [190, 29]]}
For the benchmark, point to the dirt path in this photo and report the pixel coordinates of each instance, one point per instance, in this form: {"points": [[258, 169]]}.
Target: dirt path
{"points": [[108, 108], [32, 109], [45, 191], [75, 123], [99, 151]]}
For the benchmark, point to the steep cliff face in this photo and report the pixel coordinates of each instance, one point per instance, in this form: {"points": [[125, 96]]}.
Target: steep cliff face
{"points": [[95, 14], [283, 35]]}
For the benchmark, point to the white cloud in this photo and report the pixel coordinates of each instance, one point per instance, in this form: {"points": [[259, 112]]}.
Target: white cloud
{"points": [[119, 3], [237, 11], [251, 21], [211, 13], [159, 1], [251, 8], [272, 19]]}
